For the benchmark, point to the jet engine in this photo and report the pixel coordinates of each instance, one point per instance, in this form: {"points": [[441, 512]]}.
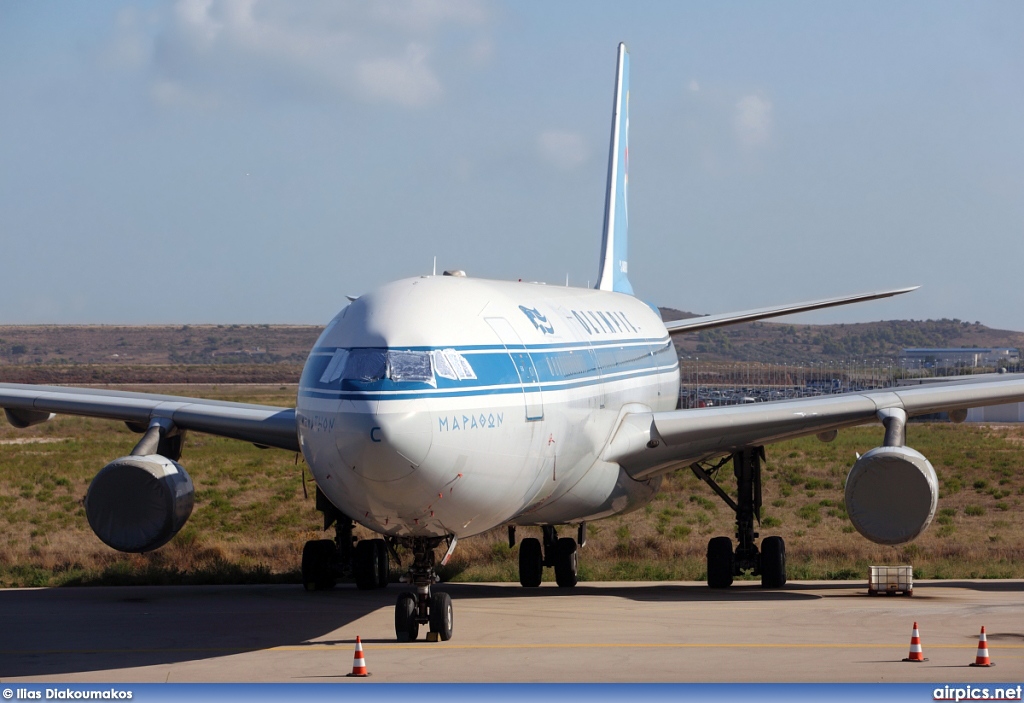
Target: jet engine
{"points": [[891, 494], [26, 418], [138, 503]]}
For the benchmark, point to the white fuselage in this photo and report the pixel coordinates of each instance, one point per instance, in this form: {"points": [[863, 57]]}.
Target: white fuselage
{"points": [[445, 405]]}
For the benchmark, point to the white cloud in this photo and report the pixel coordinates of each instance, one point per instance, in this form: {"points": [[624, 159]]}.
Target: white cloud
{"points": [[415, 15], [482, 50], [390, 51], [173, 94], [131, 45], [563, 150], [753, 121], [195, 18], [694, 85], [406, 80]]}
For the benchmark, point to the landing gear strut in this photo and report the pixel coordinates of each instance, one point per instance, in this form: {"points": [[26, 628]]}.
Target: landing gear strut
{"points": [[560, 553], [324, 561], [423, 607], [723, 562]]}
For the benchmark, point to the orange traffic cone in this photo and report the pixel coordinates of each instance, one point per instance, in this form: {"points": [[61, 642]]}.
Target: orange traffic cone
{"points": [[982, 658], [358, 663], [916, 653]]}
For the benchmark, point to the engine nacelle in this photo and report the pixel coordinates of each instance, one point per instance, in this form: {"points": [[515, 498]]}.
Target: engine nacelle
{"points": [[891, 494], [26, 418], [138, 503]]}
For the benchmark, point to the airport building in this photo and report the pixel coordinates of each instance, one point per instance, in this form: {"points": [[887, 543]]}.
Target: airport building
{"points": [[1010, 412], [967, 357]]}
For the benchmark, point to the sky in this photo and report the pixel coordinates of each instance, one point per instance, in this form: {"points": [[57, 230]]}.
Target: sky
{"points": [[255, 161]]}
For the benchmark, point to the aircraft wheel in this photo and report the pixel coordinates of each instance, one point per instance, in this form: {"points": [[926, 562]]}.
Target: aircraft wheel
{"points": [[566, 562], [720, 562], [383, 564], [317, 571], [773, 562], [531, 562], [366, 564], [441, 615], [406, 627]]}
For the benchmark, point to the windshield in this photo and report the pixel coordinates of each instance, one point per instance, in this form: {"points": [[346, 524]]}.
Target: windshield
{"points": [[368, 365]]}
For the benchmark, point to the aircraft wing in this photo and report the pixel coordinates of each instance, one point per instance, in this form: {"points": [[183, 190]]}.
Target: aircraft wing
{"points": [[649, 443], [260, 424], [705, 322]]}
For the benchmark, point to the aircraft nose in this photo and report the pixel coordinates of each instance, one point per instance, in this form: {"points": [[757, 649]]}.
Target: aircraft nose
{"points": [[386, 442]]}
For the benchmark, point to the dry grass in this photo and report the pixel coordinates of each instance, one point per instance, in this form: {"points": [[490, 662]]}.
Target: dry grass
{"points": [[251, 516], [978, 531]]}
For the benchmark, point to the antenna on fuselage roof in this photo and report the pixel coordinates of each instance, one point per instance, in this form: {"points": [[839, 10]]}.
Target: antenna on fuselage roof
{"points": [[435, 267]]}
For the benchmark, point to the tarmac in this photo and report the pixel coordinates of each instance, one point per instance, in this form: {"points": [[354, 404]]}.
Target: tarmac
{"points": [[632, 632]]}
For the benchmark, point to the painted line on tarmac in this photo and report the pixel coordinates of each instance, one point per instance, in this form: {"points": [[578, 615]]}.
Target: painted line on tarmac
{"points": [[539, 645], [649, 645]]}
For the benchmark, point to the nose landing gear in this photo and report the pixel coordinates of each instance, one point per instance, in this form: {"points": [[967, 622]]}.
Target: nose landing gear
{"points": [[423, 607]]}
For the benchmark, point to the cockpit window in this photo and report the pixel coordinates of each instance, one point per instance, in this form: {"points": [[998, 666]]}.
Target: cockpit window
{"points": [[335, 368], [410, 366], [368, 365], [450, 364], [365, 365]]}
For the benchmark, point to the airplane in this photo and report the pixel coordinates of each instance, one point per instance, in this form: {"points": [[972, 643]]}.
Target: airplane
{"points": [[439, 407]]}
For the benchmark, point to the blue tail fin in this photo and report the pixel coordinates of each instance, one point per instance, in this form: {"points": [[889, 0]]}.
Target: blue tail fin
{"points": [[614, 266]]}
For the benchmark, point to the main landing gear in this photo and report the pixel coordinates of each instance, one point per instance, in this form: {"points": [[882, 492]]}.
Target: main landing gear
{"points": [[324, 561], [423, 607], [723, 562], [560, 553]]}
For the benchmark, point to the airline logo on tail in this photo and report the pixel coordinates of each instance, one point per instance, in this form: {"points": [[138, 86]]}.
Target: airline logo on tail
{"points": [[614, 265]]}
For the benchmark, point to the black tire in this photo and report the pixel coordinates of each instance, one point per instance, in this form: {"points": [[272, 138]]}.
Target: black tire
{"points": [[383, 563], [531, 562], [441, 615], [720, 562], [317, 565], [566, 562], [406, 627], [365, 564], [773, 562]]}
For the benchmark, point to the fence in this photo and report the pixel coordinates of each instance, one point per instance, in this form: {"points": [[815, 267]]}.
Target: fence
{"points": [[711, 383]]}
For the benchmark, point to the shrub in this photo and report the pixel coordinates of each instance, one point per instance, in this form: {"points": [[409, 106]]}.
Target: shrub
{"points": [[810, 512], [680, 531]]}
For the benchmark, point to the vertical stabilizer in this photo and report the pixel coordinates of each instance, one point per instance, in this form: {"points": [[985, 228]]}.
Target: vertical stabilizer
{"points": [[614, 266]]}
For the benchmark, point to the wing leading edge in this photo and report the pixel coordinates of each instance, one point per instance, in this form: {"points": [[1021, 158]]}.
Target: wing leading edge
{"points": [[260, 424], [650, 443], [705, 322]]}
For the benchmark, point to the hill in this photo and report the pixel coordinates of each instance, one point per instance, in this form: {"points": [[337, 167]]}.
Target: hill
{"points": [[276, 353], [154, 353], [787, 343]]}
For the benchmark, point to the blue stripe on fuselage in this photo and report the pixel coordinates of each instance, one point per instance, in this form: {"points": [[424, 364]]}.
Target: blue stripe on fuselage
{"points": [[558, 366], [528, 347]]}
